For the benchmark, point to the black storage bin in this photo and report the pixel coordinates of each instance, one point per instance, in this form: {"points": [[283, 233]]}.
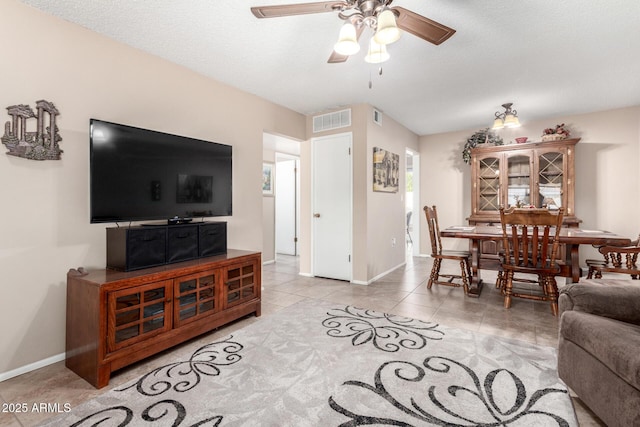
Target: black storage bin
{"points": [[182, 243], [213, 238], [132, 248]]}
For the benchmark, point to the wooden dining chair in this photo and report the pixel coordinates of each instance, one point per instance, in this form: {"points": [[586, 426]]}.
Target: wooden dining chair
{"points": [[616, 259], [438, 254], [531, 246]]}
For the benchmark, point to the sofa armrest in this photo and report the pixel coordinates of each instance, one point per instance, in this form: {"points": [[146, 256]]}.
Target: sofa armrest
{"points": [[614, 299]]}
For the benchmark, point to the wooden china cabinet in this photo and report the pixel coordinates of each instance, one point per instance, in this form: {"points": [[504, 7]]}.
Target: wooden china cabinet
{"points": [[541, 174]]}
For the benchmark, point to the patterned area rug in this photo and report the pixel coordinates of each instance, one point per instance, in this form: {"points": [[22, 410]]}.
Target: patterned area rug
{"points": [[321, 364]]}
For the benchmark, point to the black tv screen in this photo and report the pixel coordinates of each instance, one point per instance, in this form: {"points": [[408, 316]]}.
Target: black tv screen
{"points": [[138, 174]]}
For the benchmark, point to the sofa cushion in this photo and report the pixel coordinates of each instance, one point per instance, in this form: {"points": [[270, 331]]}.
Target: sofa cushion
{"points": [[616, 344]]}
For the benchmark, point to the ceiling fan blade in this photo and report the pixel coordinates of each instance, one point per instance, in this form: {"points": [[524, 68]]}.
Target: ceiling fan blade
{"points": [[293, 9], [336, 57], [422, 27]]}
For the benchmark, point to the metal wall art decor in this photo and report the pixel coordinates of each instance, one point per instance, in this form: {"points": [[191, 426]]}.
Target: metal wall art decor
{"points": [[386, 171], [43, 144]]}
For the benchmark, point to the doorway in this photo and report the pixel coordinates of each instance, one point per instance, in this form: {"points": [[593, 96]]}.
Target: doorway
{"points": [[332, 206], [287, 228], [412, 203], [277, 147]]}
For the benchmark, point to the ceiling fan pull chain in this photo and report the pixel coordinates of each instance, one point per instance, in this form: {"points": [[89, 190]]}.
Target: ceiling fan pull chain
{"points": [[370, 83], [380, 71]]}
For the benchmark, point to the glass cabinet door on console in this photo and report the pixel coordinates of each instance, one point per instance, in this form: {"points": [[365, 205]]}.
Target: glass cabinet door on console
{"points": [[138, 313], [241, 284], [196, 296]]}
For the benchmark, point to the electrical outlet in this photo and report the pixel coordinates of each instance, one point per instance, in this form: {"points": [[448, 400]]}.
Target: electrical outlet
{"points": [[393, 242]]}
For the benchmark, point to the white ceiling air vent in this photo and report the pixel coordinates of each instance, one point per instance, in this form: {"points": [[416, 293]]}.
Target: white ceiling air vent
{"points": [[377, 116], [335, 120]]}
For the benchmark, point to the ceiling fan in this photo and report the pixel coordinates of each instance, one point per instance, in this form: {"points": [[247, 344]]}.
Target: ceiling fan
{"points": [[360, 14]]}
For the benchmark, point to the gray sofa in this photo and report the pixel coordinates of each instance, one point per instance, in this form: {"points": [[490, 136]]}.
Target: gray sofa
{"points": [[599, 347]]}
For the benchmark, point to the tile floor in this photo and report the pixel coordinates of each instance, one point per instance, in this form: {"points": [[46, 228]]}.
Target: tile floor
{"points": [[403, 291]]}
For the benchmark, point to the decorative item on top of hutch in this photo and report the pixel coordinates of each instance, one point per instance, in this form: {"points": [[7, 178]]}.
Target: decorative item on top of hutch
{"points": [[555, 134], [43, 144], [483, 136]]}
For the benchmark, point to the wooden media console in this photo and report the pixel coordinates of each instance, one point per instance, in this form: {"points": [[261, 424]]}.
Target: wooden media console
{"points": [[116, 318]]}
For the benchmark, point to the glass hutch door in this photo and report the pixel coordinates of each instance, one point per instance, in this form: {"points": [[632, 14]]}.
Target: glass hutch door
{"points": [[519, 181], [550, 180], [489, 183]]}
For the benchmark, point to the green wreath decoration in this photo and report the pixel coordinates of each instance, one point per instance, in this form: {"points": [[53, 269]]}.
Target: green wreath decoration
{"points": [[483, 136]]}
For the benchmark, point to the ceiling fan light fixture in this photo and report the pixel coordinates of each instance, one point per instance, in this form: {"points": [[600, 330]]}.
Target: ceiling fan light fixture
{"points": [[377, 53], [347, 41], [387, 30]]}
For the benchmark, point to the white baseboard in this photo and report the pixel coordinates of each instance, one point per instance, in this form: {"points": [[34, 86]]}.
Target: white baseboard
{"points": [[362, 282], [273, 261], [368, 282], [31, 367], [402, 264]]}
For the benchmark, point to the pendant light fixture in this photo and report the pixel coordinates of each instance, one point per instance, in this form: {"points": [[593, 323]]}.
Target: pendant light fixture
{"points": [[506, 119]]}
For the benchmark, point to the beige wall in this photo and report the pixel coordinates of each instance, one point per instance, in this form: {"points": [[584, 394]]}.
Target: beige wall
{"points": [[386, 219], [377, 217], [607, 174], [45, 205]]}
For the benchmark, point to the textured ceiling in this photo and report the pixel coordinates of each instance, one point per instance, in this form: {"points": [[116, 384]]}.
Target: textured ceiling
{"points": [[548, 57]]}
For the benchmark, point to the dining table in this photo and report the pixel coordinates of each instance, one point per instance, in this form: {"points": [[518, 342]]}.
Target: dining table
{"points": [[572, 238]]}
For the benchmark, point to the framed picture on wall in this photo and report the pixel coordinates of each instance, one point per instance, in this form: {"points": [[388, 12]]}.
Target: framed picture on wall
{"points": [[267, 179], [386, 171]]}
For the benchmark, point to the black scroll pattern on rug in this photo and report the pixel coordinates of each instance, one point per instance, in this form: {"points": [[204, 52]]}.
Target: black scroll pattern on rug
{"points": [[386, 332], [163, 411], [446, 393], [185, 375]]}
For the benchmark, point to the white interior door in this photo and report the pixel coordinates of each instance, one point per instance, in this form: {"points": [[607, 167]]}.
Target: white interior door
{"points": [[286, 218], [332, 206]]}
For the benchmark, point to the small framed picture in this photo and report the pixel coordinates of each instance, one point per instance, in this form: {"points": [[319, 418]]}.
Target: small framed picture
{"points": [[267, 179], [386, 171]]}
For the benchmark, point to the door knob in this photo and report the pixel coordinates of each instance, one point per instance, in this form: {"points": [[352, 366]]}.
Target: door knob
{"points": [[316, 215]]}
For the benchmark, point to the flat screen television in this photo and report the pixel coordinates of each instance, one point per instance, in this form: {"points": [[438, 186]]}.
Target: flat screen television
{"points": [[139, 175]]}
